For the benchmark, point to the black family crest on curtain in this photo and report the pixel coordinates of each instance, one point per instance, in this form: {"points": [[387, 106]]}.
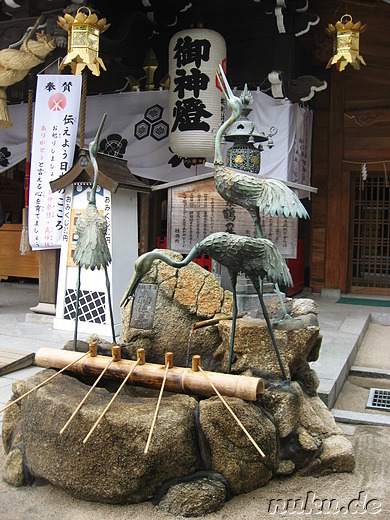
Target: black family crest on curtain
{"points": [[5, 154], [152, 125], [114, 145]]}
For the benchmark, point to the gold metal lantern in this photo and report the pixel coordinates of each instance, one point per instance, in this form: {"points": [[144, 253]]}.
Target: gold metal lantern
{"points": [[83, 41], [346, 36]]}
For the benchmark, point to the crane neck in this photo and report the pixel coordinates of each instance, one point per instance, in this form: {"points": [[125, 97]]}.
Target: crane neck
{"points": [[156, 255], [218, 157]]}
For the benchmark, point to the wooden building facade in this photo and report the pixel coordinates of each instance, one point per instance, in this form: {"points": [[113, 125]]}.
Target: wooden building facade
{"points": [[347, 239], [350, 236]]}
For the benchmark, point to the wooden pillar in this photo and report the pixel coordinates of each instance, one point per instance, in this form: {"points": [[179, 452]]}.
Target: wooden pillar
{"points": [[144, 222], [335, 181], [48, 278]]}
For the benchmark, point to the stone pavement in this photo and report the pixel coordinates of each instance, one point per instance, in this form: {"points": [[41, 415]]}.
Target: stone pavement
{"points": [[342, 327]]}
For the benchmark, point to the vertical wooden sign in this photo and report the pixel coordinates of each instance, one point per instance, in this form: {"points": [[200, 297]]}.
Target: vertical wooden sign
{"points": [[195, 210]]}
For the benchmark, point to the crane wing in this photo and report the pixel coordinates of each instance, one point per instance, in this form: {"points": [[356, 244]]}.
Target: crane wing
{"points": [[275, 264], [271, 196], [260, 257], [91, 248], [278, 199]]}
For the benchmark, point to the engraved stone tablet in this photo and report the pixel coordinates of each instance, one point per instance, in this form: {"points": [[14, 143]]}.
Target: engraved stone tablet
{"points": [[144, 304]]}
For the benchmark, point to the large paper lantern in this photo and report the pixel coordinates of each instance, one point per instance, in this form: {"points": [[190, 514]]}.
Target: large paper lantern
{"points": [[196, 103]]}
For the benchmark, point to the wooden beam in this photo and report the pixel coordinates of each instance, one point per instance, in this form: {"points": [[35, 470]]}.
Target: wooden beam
{"points": [[335, 152], [344, 230], [144, 222]]}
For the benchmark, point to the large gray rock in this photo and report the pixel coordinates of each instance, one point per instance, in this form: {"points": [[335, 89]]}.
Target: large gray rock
{"points": [[13, 468], [193, 439], [282, 402], [197, 495], [111, 466], [232, 453], [298, 339], [185, 296]]}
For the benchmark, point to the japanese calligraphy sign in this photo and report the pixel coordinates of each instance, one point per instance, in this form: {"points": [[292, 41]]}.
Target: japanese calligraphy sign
{"points": [[300, 168], [196, 103], [55, 127], [144, 305], [196, 210]]}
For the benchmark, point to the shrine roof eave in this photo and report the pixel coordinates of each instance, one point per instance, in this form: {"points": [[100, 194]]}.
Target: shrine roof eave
{"points": [[113, 174]]}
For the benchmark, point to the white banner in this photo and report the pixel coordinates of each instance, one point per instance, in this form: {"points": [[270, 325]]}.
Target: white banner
{"points": [[56, 121]]}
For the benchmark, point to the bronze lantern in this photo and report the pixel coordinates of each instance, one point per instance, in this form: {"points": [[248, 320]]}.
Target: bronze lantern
{"points": [[346, 36], [83, 41]]}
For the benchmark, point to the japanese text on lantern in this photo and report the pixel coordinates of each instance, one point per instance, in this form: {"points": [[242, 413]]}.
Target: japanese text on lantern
{"points": [[190, 111]]}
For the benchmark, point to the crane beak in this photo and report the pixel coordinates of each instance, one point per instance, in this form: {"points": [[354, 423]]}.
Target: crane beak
{"points": [[131, 290], [94, 144], [224, 83]]}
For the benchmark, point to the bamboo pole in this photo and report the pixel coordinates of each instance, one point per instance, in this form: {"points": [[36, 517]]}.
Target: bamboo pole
{"points": [[233, 414], [44, 382], [214, 321], [168, 365], [139, 361], [179, 379], [85, 398]]}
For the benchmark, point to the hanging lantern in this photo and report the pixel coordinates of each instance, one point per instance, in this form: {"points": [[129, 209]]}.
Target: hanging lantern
{"points": [[83, 41], [196, 103], [346, 43]]}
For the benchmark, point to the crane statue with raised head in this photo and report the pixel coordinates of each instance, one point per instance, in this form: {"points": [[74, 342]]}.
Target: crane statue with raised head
{"points": [[256, 257], [91, 249], [257, 195]]}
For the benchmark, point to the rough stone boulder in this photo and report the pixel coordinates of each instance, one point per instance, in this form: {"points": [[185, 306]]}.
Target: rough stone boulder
{"points": [[202, 493], [111, 467], [309, 439], [297, 338], [230, 451], [185, 296], [198, 453]]}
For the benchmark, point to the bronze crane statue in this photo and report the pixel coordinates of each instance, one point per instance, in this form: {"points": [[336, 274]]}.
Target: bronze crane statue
{"points": [[256, 257], [91, 249], [257, 195]]}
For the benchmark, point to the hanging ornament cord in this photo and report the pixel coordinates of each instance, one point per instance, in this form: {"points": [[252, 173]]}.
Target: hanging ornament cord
{"points": [[386, 176], [24, 247], [83, 107], [364, 167]]}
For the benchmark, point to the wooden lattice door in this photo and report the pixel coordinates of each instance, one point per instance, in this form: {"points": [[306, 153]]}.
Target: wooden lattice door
{"points": [[370, 238]]}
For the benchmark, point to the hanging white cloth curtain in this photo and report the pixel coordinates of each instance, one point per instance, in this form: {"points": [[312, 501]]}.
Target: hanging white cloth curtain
{"points": [[137, 130]]}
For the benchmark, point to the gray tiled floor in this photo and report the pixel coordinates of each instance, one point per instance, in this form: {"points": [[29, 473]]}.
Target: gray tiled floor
{"points": [[22, 329], [342, 327]]}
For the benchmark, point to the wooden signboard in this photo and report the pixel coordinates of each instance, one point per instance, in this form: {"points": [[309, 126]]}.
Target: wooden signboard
{"points": [[12, 263], [195, 210]]}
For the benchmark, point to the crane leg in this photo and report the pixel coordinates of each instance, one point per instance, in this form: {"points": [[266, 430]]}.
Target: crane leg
{"points": [[233, 279], [110, 304], [266, 317], [285, 313], [77, 308]]}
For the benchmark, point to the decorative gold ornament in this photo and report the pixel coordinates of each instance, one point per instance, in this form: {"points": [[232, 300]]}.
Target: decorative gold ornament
{"points": [[346, 43], [83, 41]]}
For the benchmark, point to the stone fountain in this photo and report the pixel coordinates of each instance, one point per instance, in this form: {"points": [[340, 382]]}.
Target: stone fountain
{"points": [[199, 457]]}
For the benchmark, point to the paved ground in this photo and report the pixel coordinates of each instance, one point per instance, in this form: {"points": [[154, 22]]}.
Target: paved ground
{"points": [[343, 328]]}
